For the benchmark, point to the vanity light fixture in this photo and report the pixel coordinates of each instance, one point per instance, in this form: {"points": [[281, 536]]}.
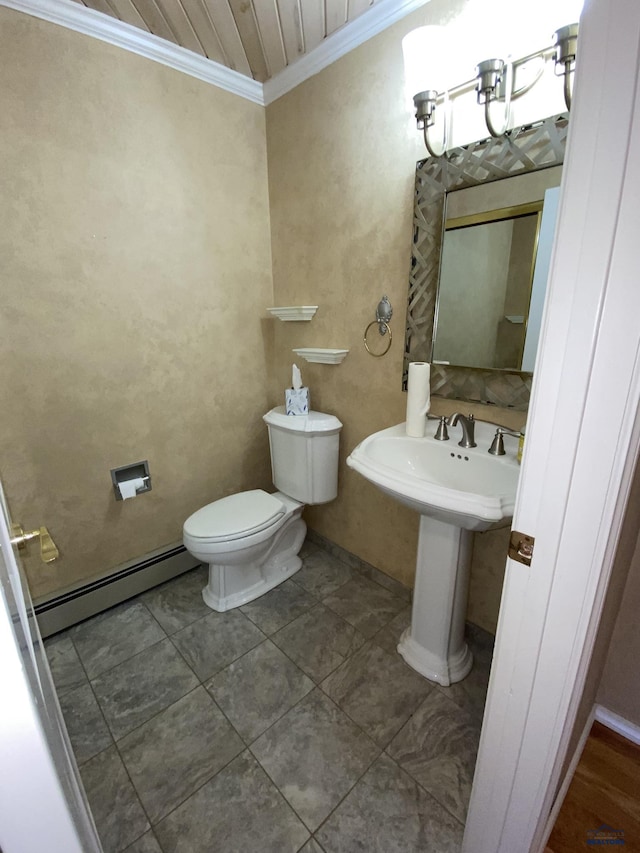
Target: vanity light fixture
{"points": [[566, 44], [494, 83], [498, 80], [425, 104], [429, 70]]}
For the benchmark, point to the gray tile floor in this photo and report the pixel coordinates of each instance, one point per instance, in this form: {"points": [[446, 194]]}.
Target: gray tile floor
{"points": [[288, 724]]}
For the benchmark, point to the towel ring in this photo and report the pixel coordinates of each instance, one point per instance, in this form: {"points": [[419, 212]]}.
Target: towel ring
{"points": [[383, 328]]}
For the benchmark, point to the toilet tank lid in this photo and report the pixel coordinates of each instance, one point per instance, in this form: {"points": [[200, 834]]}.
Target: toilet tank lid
{"points": [[315, 423]]}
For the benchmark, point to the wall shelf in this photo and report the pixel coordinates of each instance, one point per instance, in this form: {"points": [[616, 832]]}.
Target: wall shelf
{"points": [[294, 313], [322, 356]]}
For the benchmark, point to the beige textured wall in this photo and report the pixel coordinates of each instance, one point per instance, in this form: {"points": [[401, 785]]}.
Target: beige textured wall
{"points": [[487, 577], [620, 687], [612, 675], [134, 236], [342, 149]]}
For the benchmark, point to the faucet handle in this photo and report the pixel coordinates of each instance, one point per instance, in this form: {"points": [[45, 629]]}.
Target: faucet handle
{"points": [[497, 445], [442, 433]]}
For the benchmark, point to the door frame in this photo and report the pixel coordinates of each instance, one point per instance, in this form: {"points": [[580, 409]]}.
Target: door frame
{"points": [[33, 808], [583, 438], [42, 803]]}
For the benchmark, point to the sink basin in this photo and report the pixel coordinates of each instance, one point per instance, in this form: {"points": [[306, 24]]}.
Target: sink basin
{"points": [[456, 491], [468, 488]]}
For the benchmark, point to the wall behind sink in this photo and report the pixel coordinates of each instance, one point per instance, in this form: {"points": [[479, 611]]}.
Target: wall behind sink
{"points": [[342, 149]]}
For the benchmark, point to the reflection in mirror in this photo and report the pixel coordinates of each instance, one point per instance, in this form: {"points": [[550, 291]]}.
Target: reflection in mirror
{"points": [[486, 273], [460, 229]]}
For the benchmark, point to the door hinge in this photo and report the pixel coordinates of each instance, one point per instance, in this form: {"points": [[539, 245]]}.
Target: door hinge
{"points": [[521, 547]]}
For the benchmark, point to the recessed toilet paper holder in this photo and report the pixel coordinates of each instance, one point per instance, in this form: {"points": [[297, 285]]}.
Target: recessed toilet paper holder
{"points": [[131, 472]]}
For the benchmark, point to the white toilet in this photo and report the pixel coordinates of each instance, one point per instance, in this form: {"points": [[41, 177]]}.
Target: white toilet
{"points": [[251, 540]]}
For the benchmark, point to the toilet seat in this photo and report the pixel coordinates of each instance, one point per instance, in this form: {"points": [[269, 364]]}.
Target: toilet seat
{"points": [[235, 517]]}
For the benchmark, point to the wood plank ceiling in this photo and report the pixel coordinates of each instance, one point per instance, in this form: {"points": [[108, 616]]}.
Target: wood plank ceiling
{"points": [[257, 38]]}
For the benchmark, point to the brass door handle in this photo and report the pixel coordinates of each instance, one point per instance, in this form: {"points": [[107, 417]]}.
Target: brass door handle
{"points": [[48, 549]]}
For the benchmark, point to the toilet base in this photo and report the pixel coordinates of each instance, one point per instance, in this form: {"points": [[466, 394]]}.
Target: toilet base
{"points": [[234, 585]]}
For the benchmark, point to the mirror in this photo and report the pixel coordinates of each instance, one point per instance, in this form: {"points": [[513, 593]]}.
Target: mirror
{"points": [[490, 262], [484, 219]]}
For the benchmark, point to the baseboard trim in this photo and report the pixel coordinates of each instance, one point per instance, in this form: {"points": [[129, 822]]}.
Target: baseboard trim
{"points": [[60, 612], [617, 724]]}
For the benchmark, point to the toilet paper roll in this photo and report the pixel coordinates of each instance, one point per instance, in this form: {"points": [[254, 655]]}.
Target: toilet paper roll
{"points": [[128, 488], [418, 398]]}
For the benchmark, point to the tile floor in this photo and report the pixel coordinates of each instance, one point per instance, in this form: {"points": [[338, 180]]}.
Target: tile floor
{"points": [[289, 724]]}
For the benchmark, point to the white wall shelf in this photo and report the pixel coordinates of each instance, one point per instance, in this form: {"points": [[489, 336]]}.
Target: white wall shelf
{"points": [[294, 313], [322, 356]]}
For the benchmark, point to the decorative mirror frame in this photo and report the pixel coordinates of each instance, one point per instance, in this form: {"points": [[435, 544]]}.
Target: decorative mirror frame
{"points": [[525, 149]]}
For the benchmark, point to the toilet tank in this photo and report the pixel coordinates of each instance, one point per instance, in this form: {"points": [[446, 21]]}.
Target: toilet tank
{"points": [[304, 454]]}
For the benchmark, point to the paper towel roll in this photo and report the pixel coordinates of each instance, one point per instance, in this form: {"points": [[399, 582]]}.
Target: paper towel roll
{"points": [[418, 398], [128, 488]]}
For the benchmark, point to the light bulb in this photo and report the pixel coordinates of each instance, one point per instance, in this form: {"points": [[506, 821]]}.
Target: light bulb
{"points": [[426, 61]]}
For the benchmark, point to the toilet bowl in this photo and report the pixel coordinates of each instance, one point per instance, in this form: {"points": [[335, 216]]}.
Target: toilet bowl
{"points": [[251, 540]]}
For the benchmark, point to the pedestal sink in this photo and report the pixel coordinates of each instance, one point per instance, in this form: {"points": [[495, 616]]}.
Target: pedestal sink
{"points": [[456, 491]]}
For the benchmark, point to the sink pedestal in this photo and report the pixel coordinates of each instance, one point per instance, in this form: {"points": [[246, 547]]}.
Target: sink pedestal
{"points": [[434, 644]]}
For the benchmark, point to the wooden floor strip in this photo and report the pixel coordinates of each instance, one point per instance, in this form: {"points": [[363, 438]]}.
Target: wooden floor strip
{"points": [[602, 807]]}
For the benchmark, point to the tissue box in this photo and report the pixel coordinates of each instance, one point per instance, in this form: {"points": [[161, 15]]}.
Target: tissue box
{"points": [[296, 401]]}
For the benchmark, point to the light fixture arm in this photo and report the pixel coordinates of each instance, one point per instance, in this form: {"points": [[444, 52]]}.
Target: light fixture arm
{"points": [[567, 90], [425, 104], [443, 142], [566, 43], [495, 132], [494, 77]]}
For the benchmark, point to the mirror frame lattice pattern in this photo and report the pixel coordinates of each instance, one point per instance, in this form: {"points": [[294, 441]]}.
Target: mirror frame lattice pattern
{"points": [[525, 149]]}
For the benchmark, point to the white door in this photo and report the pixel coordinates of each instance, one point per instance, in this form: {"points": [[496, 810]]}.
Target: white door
{"points": [[42, 802], [583, 440]]}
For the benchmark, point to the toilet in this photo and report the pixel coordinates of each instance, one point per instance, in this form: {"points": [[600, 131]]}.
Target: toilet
{"points": [[251, 540]]}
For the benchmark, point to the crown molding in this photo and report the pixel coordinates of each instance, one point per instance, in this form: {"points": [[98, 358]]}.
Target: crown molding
{"points": [[79, 18], [369, 24], [87, 21]]}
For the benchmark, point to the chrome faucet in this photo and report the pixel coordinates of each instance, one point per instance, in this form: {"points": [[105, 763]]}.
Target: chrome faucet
{"points": [[468, 425]]}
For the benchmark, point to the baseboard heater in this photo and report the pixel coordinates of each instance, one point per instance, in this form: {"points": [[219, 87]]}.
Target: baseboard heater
{"points": [[69, 608]]}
